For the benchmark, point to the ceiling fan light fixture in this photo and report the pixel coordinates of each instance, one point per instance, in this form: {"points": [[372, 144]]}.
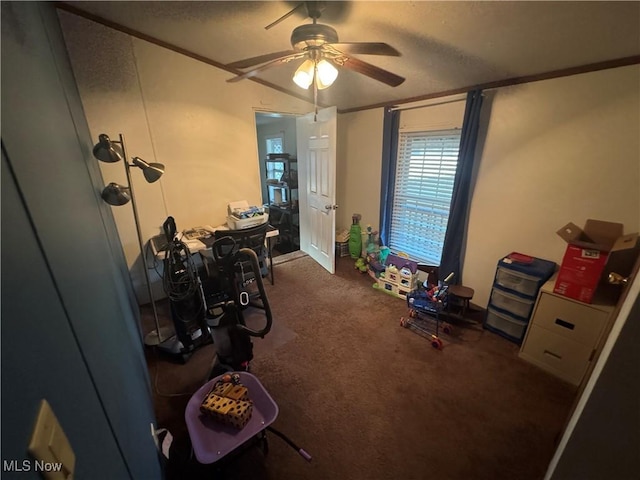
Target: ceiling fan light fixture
{"points": [[326, 74], [304, 74]]}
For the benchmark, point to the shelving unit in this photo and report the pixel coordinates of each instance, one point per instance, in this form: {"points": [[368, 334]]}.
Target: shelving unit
{"points": [[282, 193]]}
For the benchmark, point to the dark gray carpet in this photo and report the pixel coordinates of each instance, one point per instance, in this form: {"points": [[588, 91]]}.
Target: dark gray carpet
{"points": [[371, 400]]}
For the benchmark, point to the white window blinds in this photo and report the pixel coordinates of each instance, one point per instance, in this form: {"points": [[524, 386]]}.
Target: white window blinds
{"points": [[425, 172]]}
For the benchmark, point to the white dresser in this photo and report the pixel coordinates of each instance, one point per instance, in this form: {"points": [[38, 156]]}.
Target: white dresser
{"points": [[563, 334]]}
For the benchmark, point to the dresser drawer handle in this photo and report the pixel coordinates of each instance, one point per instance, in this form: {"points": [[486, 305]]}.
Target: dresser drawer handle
{"points": [[554, 355], [565, 324]]}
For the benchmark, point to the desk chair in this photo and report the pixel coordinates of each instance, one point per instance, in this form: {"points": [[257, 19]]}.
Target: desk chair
{"points": [[216, 282], [226, 243], [253, 238]]}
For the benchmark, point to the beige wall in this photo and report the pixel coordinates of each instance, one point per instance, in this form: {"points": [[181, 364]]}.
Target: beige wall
{"points": [[358, 155], [556, 151], [440, 114], [176, 111]]}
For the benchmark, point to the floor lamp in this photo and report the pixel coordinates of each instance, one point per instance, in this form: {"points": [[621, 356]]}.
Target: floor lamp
{"points": [[113, 151]]}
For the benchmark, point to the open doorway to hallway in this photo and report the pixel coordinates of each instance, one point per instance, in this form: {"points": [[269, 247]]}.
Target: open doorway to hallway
{"points": [[277, 158]]}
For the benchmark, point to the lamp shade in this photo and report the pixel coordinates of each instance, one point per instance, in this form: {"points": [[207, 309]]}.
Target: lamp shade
{"points": [[323, 72], [326, 74], [116, 195], [107, 151], [151, 171], [304, 74]]}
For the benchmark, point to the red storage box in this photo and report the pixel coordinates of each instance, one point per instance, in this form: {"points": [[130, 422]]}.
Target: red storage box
{"points": [[587, 254]]}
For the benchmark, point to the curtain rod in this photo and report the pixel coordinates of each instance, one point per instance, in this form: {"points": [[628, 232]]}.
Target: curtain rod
{"points": [[430, 104], [444, 102]]}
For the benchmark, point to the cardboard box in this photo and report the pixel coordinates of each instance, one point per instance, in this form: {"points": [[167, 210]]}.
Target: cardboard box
{"points": [[590, 249]]}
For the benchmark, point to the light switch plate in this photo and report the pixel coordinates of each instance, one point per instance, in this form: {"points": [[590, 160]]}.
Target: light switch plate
{"points": [[50, 447]]}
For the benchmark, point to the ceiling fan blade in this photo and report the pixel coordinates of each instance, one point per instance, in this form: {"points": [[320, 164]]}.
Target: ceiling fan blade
{"points": [[285, 16], [273, 63], [366, 48], [369, 70], [250, 62]]}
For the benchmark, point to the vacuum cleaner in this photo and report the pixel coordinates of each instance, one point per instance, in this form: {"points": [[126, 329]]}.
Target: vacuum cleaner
{"points": [[183, 287]]}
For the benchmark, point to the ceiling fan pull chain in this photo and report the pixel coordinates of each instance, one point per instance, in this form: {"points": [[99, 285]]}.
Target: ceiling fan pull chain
{"points": [[315, 93]]}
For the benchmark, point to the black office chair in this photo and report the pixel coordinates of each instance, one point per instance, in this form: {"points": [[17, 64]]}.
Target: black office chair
{"points": [[253, 238], [216, 281]]}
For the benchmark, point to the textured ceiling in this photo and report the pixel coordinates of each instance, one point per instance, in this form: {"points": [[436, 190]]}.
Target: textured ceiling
{"points": [[444, 46]]}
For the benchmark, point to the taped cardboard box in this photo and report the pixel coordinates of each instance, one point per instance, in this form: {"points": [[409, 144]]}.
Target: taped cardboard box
{"points": [[591, 253]]}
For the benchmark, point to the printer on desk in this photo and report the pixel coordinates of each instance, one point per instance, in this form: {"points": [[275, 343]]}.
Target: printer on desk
{"points": [[240, 215]]}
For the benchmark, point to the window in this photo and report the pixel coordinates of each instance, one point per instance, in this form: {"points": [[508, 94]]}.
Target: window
{"points": [[425, 172], [274, 144]]}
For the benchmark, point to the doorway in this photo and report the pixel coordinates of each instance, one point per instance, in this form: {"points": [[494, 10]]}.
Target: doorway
{"points": [[277, 159]]}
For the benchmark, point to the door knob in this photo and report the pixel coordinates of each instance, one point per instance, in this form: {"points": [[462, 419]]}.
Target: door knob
{"points": [[331, 207], [617, 279]]}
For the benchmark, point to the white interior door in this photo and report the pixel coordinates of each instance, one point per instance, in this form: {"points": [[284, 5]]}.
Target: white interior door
{"points": [[317, 181]]}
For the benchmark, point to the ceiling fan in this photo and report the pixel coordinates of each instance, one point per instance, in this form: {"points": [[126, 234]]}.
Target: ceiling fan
{"points": [[318, 44]]}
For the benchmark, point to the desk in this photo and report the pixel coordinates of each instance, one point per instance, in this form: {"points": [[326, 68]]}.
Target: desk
{"points": [[195, 245]]}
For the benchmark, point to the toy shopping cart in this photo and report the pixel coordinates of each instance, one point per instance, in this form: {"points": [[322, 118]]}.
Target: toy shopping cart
{"points": [[212, 440], [426, 305]]}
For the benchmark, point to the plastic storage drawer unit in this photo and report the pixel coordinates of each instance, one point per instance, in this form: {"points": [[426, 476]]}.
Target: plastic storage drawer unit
{"points": [[512, 303], [506, 325], [524, 278], [515, 288], [516, 281]]}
